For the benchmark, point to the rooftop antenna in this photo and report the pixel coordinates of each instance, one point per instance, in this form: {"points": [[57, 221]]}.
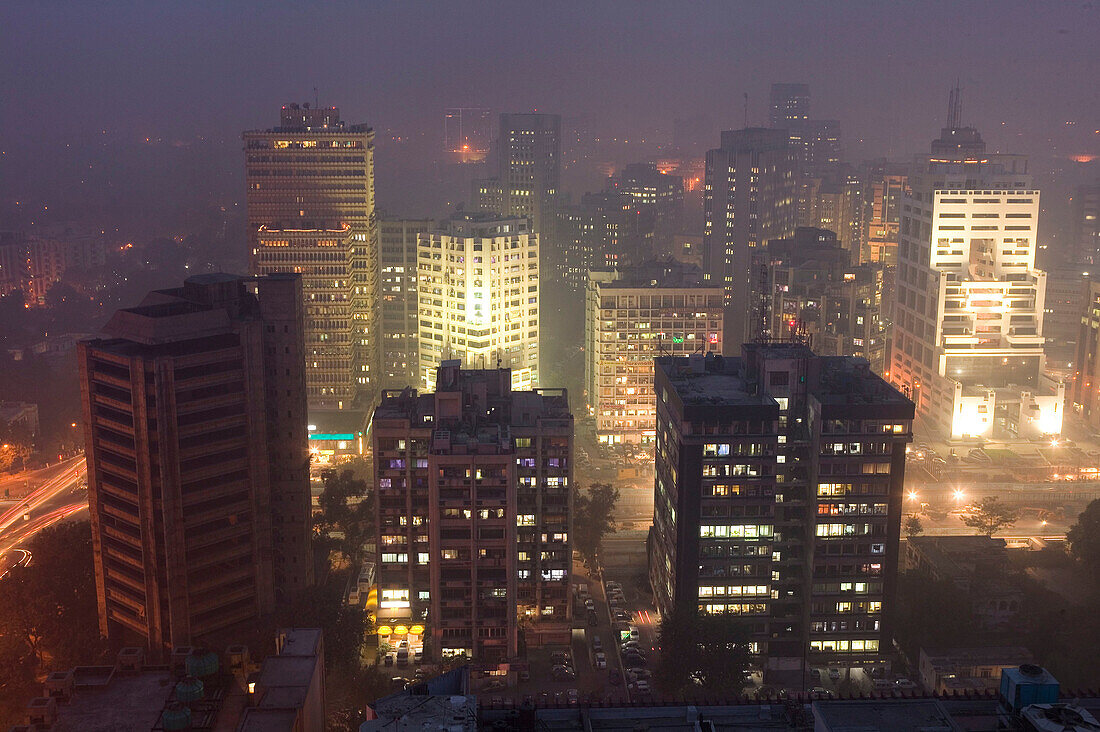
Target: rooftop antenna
{"points": [[954, 107], [746, 110]]}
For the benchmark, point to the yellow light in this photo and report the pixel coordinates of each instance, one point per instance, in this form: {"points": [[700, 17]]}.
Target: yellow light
{"points": [[383, 630], [417, 630], [251, 687], [400, 630], [912, 495], [958, 494]]}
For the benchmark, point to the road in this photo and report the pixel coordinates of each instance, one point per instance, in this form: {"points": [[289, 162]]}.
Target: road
{"points": [[58, 492]]}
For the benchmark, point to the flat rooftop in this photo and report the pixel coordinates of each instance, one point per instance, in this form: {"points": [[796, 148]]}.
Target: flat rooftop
{"points": [[126, 702]]}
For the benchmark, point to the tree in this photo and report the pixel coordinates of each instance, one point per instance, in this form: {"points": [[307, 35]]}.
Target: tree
{"points": [[704, 651], [347, 509], [990, 516], [16, 447], [1084, 539], [912, 525], [593, 518]]}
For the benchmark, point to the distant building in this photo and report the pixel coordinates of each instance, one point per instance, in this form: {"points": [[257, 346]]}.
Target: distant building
{"points": [[195, 423], [659, 194], [198, 689], [529, 169], [478, 287], [789, 103], [965, 670], [473, 504], [749, 199], [778, 500], [978, 566], [36, 263], [311, 211], [1063, 309], [467, 133], [1086, 223], [399, 343], [1085, 396], [631, 317], [968, 344], [604, 230], [20, 415], [813, 290], [886, 184]]}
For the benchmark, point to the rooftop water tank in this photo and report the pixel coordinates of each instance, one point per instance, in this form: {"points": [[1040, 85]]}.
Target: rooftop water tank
{"points": [[1029, 684], [202, 663], [175, 717], [189, 690]]}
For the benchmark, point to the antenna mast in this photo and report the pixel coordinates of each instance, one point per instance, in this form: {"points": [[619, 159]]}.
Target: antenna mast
{"points": [[954, 107]]}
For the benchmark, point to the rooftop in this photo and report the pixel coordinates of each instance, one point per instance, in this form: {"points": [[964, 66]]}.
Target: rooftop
{"points": [[658, 274], [107, 702], [902, 715]]}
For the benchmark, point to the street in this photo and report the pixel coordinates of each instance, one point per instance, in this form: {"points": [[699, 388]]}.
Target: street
{"points": [[56, 493]]}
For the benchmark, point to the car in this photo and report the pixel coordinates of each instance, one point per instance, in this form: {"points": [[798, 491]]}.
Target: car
{"points": [[403, 656], [562, 673], [559, 697], [631, 645], [819, 693], [388, 659], [589, 604], [641, 686], [418, 656], [593, 618], [614, 677], [834, 674], [494, 685], [601, 659], [613, 585], [905, 684], [573, 696], [621, 616], [639, 673], [597, 644], [815, 674], [560, 657], [398, 682], [633, 660], [634, 634], [420, 674]]}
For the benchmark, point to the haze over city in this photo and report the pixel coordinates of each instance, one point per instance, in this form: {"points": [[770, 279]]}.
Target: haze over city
{"points": [[514, 365]]}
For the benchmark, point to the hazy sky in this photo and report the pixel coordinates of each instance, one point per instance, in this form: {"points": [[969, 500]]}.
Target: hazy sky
{"points": [[181, 70]]}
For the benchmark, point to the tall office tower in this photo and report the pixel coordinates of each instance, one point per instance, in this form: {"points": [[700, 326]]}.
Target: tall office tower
{"points": [[1065, 305], [1086, 223], [1086, 383], [790, 103], [529, 169], [198, 467], [604, 230], [778, 499], [478, 286], [400, 305], [967, 345], [837, 203], [632, 316], [748, 200], [473, 506], [885, 186], [650, 190], [812, 289], [311, 211]]}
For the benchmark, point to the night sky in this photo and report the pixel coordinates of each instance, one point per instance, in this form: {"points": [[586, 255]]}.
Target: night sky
{"points": [[105, 76]]}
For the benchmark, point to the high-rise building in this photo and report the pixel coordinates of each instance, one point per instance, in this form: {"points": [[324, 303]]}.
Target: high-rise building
{"points": [[650, 190], [812, 289], [1085, 396], [36, 263], [1086, 223], [604, 230], [198, 465], [749, 199], [967, 344], [1064, 306], [311, 211], [473, 506], [529, 169], [478, 286], [790, 103], [778, 499], [399, 343], [885, 186], [631, 317]]}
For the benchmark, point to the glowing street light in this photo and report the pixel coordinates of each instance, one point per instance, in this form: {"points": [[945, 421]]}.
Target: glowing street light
{"points": [[958, 494], [912, 495]]}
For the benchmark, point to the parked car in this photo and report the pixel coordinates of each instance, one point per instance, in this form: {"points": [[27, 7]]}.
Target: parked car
{"points": [[562, 673], [403, 656], [905, 684], [418, 656], [621, 616], [614, 677], [631, 645], [560, 657], [593, 618], [574, 697], [398, 682], [589, 604], [834, 674], [601, 659], [639, 673], [641, 686], [388, 659], [634, 634], [597, 644], [815, 674], [819, 693]]}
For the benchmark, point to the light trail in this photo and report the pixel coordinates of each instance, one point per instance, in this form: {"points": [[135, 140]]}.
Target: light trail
{"points": [[23, 561], [45, 492], [27, 532]]}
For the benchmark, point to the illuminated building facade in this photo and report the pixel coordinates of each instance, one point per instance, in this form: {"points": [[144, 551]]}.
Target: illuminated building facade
{"points": [[1086, 383], [885, 187], [631, 317], [311, 211], [778, 499], [749, 198], [400, 337], [604, 230], [658, 194], [1086, 223], [36, 263], [968, 342], [194, 414], [813, 290], [473, 507], [478, 287]]}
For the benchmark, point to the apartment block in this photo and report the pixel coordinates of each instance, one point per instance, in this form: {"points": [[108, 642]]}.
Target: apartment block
{"points": [[778, 499], [399, 342], [474, 507]]}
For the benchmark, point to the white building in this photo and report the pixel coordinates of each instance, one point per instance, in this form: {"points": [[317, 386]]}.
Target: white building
{"points": [[479, 297], [968, 322], [631, 317]]}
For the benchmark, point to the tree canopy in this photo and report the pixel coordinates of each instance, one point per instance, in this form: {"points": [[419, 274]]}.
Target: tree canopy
{"points": [[912, 525], [1084, 539], [593, 518], [989, 516], [700, 651], [347, 510], [930, 612]]}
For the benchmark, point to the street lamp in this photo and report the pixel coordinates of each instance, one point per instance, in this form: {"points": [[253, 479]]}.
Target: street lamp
{"points": [[912, 495], [958, 494]]}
